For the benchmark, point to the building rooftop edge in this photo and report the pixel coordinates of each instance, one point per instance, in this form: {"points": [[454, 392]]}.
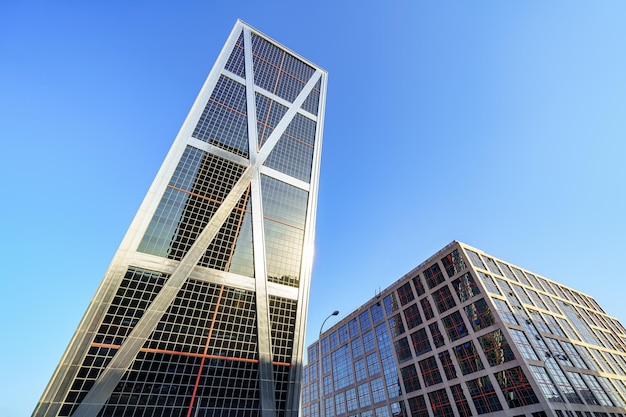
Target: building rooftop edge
{"points": [[275, 42]]}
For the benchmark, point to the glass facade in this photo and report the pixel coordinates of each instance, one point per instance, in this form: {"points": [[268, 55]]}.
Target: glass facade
{"points": [[200, 313], [472, 334]]}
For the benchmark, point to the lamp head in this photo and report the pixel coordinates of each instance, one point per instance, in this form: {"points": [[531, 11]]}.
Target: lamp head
{"points": [[336, 312]]}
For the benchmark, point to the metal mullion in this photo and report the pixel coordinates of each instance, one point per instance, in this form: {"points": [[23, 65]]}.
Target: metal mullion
{"points": [[295, 375], [267, 395]]}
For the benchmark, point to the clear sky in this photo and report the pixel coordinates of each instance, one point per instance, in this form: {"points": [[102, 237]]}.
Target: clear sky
{"points": [[501, 124]]}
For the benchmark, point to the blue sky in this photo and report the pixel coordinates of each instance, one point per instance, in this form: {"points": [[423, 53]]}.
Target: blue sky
{"points": [[499, 124]]}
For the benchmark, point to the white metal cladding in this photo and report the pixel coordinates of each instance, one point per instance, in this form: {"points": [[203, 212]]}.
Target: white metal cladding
{"points": [[180, 271]]}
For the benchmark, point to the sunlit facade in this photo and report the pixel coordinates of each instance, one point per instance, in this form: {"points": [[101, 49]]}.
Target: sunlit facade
{"points": [[466, 334], [203, 309]]}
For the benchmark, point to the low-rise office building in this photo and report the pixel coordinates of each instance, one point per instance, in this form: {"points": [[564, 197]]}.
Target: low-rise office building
{"points": [[466, 334]]}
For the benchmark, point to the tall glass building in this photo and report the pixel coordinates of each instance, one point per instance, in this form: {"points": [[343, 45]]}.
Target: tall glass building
{"points": [[466, 334], [202, 311]]}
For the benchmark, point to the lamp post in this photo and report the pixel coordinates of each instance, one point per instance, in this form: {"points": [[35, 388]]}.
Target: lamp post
{"points": [[320, 378]]}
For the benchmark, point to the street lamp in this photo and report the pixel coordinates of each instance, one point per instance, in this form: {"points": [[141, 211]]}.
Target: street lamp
{"points": [[320, 379]]}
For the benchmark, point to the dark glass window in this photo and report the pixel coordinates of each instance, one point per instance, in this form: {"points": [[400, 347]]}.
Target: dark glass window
{"points": [[496, 348], [468, 359], [433, 276], [418, 408], [421, 344], [440, 404], [436, 334], [465, 287], [461, 402], [428, 310], [403, 352], [516, 388], [430, 371], [396, 326], [412, 316], [479, 314], [453, 263], [484, 395], [405, 294], [410, 378], [443, 299], [448, 365], [454, 325], [419, 286]]}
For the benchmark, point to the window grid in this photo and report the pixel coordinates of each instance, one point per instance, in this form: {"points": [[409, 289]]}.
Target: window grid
{"points": [[496, 348], [430, 371], [438, 338], [465, 287], [448, 365], [378, 390], [410, 379], [491, 265], [479, 315], [405, 294], [396, 326], [390, 303], [455, 326], [489, 283], [468, 359], [546, 385], [443, 299], [433, 276], [418, 408], [440, 404], [364, 395], [484, 395], [516, 388], [419, 286], [475, 259], [403, 351], [224, 120], [421, 344], [283, 321], [135, 293], [453, 263], [522, 343], [461, 402], [426, 308], [412, 316]]}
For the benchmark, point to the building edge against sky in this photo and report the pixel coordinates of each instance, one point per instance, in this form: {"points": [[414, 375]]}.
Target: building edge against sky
{"points": [[203, 309], [466, 334]]}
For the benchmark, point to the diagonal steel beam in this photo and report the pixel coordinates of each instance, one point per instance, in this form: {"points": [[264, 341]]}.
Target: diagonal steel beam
{"points": [[110, 377]]}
